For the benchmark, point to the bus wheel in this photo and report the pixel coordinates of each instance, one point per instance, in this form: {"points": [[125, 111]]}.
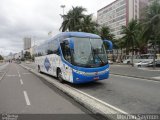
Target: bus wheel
{"points": [[39, 69], [59, 75]]}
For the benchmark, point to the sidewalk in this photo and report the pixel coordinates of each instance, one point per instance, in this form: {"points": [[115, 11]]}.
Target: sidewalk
{"points": [[144, 73]]}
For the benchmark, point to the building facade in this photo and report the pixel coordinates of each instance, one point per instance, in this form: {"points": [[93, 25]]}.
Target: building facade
{"points": [[119, 13], [18, 55], [27, 43]]}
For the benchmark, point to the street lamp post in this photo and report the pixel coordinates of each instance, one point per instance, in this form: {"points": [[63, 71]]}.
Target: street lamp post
{"points": [[63, 6]]}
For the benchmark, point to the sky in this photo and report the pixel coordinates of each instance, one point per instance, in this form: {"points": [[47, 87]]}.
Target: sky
{"points": [[35, 18]]}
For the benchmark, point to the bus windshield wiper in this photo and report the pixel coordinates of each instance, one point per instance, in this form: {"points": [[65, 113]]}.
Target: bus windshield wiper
{"points": [[98, 56]]}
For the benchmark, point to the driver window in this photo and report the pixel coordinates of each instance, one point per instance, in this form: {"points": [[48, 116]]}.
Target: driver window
{"points": [[66, 51]]}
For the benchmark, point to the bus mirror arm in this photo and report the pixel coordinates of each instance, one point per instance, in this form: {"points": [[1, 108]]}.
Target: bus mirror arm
{"points": [[71, 45], [109, 43]]}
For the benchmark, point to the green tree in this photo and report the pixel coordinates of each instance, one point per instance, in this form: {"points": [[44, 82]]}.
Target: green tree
{"points": [[130, 31], [105, 33], [88, 25], [141, 40], [27, 55], [120, 43], [152, 25], [72, 19], [1, 58]]}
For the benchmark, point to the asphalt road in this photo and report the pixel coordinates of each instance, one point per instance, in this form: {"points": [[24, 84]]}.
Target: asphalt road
{"points": [[128, 94], [3, 66], [131, 95], [3, 69], [21, 92], [133, 71]]}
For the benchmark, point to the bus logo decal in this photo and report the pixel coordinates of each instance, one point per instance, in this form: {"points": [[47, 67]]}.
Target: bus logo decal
{"points": [[47, 64]]}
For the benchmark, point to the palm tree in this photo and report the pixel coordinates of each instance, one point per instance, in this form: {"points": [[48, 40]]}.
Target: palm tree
{"points": [[141, 41], [152, 25], [120, 44], [105, 33], [88, 25], [72, 19], [130, 31]]}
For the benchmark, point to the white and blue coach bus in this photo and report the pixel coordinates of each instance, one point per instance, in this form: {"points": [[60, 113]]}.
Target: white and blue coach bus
{"points": [[76, 57]]}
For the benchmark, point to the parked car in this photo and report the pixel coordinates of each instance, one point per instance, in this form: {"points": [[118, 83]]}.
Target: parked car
{"points": [[138, 58], [27, 62], [18, 62], [157, 63], [142, 64]]}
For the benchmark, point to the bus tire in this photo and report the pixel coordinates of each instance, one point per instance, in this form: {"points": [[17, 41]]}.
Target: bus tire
{"points": [[59, 75], [39, 69]]}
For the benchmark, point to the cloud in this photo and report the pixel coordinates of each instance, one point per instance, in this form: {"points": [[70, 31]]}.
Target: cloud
{"points": [[35, 18]]}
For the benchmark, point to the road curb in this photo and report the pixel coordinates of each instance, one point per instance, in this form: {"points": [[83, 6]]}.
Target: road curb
{"points": [[145, 78], [96, 106]]}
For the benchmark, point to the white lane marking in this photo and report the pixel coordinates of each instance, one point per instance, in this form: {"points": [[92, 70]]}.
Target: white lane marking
{"points": [[26, 98], [26, 73], [158, 77], [136, 78], [3, 76], [21, 81], [11, 75], [147, 69], [18, 73]]}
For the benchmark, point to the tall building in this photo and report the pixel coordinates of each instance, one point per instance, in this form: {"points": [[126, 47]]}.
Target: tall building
{"points": [[27, 43], [142, 5], [119, 13]]}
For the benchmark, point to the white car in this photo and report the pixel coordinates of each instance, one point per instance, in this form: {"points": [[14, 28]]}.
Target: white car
{"points": [[142, 64], [27, 62], [110, 62]]}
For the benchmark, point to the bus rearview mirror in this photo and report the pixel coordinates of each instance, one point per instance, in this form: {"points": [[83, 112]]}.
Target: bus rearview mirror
{"points": [[71, 45], [109, 43]]}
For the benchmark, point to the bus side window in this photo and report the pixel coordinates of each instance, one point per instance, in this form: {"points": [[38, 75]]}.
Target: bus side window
{"points": [[55, 47], [52, 47]]}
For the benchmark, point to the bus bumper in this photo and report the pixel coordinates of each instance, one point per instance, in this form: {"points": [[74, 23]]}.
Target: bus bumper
{"points": [[79, 78]]}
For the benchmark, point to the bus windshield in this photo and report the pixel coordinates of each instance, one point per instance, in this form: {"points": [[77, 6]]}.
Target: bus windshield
{"points": [[89, 52]]}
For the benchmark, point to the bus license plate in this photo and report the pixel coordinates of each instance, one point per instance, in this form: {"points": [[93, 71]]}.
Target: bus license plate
{"points": [[96, 78]]}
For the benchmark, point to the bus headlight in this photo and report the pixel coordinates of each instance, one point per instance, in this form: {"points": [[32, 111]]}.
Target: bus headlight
{"points": [[79, 72]]}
